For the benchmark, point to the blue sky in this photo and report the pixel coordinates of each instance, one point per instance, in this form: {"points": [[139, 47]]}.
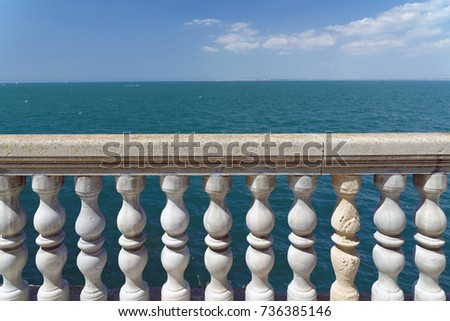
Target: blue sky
{"points": [[114, 40]]}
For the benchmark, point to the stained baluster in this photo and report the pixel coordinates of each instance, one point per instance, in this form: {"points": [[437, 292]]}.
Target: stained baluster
{"points": [[13, 253], [217, 222], [52, 255], [344, 256], [175, 254], [89, 226], [431, 222], [131, 222], [390, 221], [301, 254], [259, 256]]}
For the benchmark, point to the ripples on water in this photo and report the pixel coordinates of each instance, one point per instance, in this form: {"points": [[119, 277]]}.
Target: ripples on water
{"points": [[229, 107]]}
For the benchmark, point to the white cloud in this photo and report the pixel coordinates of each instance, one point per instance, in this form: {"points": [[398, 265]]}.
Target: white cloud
{"points": [[399, 18], [371, 46], [242, 46], [423, 32], [439, 44], [202, 22], [242, 28], [307, 40], [408, 28], [398, 27], [240, 38], [210, 49], [230, 38]]}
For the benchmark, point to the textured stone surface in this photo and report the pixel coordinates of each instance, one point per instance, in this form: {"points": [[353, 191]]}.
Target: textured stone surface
{"points": [[218, 221], [197, 294], [89, 226], [259, 256], [390, 221], [13, 252], [301, 154], [430, 221], [344, 256], [423, 153], [131, 221], [175, 254], [301, 255]]}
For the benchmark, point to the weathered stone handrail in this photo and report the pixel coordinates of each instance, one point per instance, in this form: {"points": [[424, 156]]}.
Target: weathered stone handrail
{"points": [[216, 157], [233, 154]]}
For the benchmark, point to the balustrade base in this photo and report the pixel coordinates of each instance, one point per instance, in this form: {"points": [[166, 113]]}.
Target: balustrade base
{"points": [[198, 294], [17, 295], [421, 295]]}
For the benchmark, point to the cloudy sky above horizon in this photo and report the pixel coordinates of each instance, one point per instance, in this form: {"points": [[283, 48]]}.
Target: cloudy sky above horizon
{"points": [[114, 40]]}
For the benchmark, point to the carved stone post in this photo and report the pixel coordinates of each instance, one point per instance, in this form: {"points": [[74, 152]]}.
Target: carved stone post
{"points": [[431, 222], [175, 254], [344, 256], [131, 222], [89, 226], [301, 255], [217, 222], [52, 255], [13, 253], [390, 221], [260, 221]]}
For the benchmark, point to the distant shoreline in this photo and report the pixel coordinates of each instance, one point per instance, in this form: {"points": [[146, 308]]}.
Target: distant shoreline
{"points": [[221, 80]]}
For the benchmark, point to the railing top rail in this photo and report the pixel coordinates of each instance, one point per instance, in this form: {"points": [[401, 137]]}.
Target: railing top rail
{"points": [[233, 154]]}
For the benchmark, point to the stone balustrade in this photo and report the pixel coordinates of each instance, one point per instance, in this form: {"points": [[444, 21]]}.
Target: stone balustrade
{"points": [[390, 158]]}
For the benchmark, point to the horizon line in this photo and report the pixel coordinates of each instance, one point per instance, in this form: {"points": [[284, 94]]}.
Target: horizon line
{"points": [[226, 80]]}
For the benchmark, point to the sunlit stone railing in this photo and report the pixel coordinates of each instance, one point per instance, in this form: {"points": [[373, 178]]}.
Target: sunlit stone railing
{"points": [[301, 157]]}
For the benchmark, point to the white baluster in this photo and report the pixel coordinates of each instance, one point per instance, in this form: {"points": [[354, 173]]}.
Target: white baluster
{"points": [[431, 222], [260, 221], [89, 226], [131, 222], [217, 222], [13, 253], [344, 256], [301, 254], [52, 255], [390, 221], [175, 254]]}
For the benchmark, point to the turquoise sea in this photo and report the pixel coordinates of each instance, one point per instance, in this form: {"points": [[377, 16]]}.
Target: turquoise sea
{"points": [[228, 107]]}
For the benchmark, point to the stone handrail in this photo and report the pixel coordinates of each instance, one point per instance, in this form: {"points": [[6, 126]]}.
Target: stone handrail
{"points": [[233, 154], [216, 157]]}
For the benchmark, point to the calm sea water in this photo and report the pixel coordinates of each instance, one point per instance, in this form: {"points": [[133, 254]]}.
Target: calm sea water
{"points": [[228, 107]]}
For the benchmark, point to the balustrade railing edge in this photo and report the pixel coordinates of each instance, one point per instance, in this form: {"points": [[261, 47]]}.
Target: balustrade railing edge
{"points": [[230, 154]]}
